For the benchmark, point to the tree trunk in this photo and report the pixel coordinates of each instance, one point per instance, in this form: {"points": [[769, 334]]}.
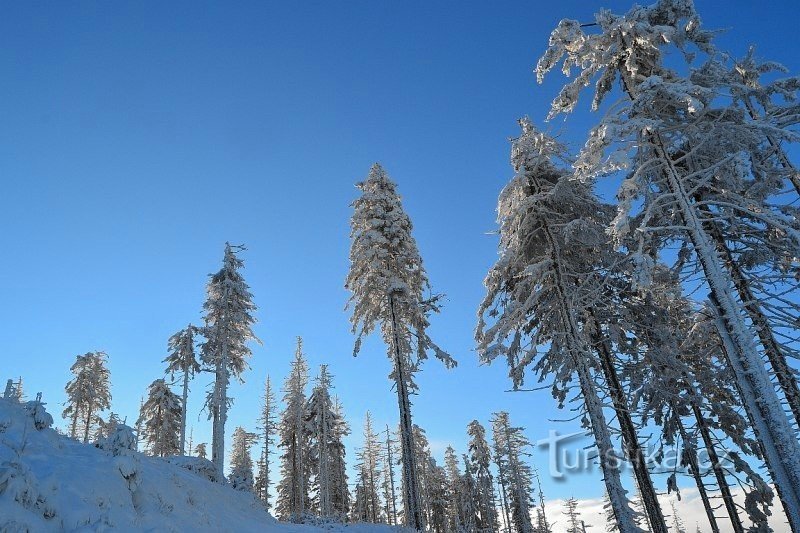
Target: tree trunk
{"points": [[716, 467], [628, 429], [504, 497], [770, 423], [183, 411], [410, 485], [89, 412], [594, 408], [391, 476], [776, 358], [698, 478]]}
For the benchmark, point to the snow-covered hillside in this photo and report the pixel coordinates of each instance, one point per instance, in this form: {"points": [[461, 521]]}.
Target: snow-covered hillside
{"points": [[51, 483]]}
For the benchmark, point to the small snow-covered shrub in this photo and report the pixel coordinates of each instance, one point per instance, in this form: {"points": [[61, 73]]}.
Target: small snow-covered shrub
{"points": [[121, 441], [202, 467], [18, 483], [41, 418]]}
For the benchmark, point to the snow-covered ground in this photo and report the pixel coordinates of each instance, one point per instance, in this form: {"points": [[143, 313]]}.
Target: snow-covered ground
{"points": [[51, 483]]}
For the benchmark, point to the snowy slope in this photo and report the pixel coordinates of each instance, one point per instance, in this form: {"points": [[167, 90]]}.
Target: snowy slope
{"points": [[51, 483]]}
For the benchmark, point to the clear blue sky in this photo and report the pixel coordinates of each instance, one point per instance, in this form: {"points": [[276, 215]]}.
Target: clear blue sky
{"points": [[137, 137]]}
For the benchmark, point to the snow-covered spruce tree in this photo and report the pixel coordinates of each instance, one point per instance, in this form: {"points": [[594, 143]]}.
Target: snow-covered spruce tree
{"points": [[368, 468], [160, 420], [340, 495], [512, 444], [480, 456], [267, 427], [88, 393], [105, 428], [454, 515], [200, 450], [326, 450], [388, 285], [695, 160], [573, 524], [542, 289], [19, 391], [436, 496], [388, 482], [677, 522], [241, 475], [292, 503], [182, 361], [228, 326], [426, 476], [468, 495], [665, 326]]}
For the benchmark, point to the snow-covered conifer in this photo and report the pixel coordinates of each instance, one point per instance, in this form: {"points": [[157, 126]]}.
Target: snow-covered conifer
{"points": [[388, 484], [677, 522], [573, 516], [326, 449], [88, 393], [480, 455], [267, 427], [228, 320], [292, 502], [241, 475], [388, 285], [696, 175], [182, 361], [540, 293], [368, 468], [511, 444], [200, 450], [160, 419], [454, 518]]}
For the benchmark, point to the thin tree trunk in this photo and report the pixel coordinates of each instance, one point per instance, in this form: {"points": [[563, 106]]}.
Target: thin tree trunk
{"points": [[716, 467], [391, 475], [594, 408], [629, 436], [183, 411], [698, 478], [410, 485], [506, 511], [770, 423], [776, 358], [89, 412]]}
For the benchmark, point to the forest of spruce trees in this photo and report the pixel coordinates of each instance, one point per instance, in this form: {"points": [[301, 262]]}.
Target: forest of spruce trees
{"points": [[667, 313]]}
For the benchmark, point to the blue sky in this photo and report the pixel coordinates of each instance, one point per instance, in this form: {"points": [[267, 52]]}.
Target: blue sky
{"points": [[137, 137]]}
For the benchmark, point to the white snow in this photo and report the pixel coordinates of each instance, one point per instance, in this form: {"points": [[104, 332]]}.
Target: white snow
{"points": [[49, 482]]}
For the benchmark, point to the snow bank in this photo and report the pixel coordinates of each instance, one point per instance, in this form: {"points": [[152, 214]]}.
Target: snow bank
{"points": [[51, 483]]}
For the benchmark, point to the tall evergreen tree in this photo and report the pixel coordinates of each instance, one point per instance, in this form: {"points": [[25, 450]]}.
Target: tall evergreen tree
{"points": [[542, 291], [574, 524], [388, 284], [480, 455], [181, 360], [267, 427], [228, 320], [292, 503], [340, 495], [160, 419], [698, 177], [511, 443], [388, 483], [241, 475], [369, 467], [454, 518], [200, 450], [326, 449], [88, 393]]}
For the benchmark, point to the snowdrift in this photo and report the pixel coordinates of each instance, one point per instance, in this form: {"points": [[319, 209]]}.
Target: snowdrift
{"points": [[49, 482]]}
